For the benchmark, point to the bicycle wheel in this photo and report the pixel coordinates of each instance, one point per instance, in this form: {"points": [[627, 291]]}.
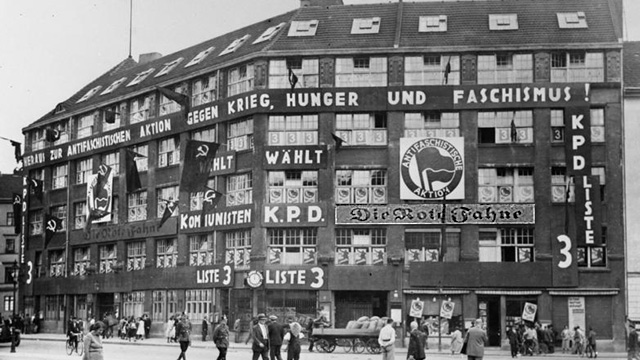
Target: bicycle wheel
{"points": [[69, 346], [345, 343], [358, 346], [373, 347], [80, 348]]}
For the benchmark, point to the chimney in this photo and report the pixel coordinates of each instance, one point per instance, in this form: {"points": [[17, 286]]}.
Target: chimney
{"points": [[320, 3], [148, 57]]}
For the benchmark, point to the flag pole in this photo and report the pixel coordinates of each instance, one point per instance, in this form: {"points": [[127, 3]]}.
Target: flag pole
{"points": [[130, 25]]}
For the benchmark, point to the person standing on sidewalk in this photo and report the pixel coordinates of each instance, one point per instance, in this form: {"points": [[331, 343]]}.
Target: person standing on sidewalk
{"points": [[476, 339], [183, 332], [416, 343], [236, 330], [276, 334], [220, 336], [387, 340]]}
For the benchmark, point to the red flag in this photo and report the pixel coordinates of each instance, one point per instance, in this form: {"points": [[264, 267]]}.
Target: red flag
{"points": [[16, 150], [170, 207], [17, 213], [339, 141], [110, 116], [210, 200], [133, 176], [52, 135], [198, 162], [52, 225], [36, 185], [293, 79]]}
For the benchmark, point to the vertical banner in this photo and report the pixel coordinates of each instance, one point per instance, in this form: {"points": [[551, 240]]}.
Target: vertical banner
{"points": [[577, 313], [198, 163], [100, 196], [577, 125], [565, 265], [588, 211]]}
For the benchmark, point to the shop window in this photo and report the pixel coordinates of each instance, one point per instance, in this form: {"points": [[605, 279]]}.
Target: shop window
{"points": [[168, 106], [505, 185], [165, 195], [54, 307], [306, 71], [56, 263], [577, 66], [166, 253], [140, 108], [238, 248], [196, 200], [59, 177], [240, 135], [559, 182], [361, 246], [426, 246], [201, 56], [239, 189], [506, 245], [85, 125], [108, 258], [81, 261], [362, 129], [514, 308], [361, 187], [8, 303], [60, 212], [142, 161], [113, 161], [169, 152], [293, 130], [292, 246], [432, 69], [136, 255], [198, 304], [431, 314], [505, 68], [361, 72], [84, 168], [201, 250], [35, 222], [293, 186], [137, 206], [205, 89], [133, 303], [114, 85], [165, 304], [432, 124], [240, 80], [80, 215]]}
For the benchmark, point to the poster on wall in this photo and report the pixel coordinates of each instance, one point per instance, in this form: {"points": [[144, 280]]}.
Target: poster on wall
{"points": [[577, 314], [432, 168]]}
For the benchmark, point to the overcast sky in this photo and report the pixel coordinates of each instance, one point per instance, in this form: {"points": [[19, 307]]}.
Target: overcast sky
{"points": [[51, 49]]}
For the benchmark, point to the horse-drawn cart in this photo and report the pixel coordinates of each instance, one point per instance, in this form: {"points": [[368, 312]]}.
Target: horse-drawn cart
{"points": [[351, 340]]}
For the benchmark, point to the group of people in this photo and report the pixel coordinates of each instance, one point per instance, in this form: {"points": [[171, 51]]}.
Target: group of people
{"points": [[576, 341], [269, 336], [134, 328], [26, 323]]}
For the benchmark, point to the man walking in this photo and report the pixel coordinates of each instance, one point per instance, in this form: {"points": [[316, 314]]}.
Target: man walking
{"points": [[276, 334], [387, 340], [221, 338], [476, 339], [260, 335]]}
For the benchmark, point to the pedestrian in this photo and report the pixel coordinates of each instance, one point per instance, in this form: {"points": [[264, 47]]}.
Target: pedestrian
{"points": [[147, 325], [456, 341], [387, 340], [236, 330], [183, 332], [260, 336], [170, 329], [93, 343], [416, 343], [566, 339], [132, 328], [591, 340], [292, 339], [632, 344], [205, 328], [513, 337], [276, 334], [140, 330], [578, 341], [476, 339], [220, 336]]}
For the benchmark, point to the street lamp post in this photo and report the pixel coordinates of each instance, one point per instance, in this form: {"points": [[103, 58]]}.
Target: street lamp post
{"points": [[15, 272]]}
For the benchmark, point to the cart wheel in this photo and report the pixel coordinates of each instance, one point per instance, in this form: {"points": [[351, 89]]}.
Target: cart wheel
{"points": [[373, 347], [358, 346], [330, 346], [321, 345], [345, 343]]}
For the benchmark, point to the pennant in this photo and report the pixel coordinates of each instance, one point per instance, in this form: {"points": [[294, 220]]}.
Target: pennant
{"points": [[293, 79], [514, 131], [36, 185], [17, 213], [198, 162], [133, 176], [210, 200], [339, 141], [447, 71], [170, 207], [181, 99], [16, 150], [53, 224], [110, 116], [52, 135]]}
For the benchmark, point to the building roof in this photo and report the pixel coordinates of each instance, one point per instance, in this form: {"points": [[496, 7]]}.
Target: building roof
{"points": [[467, 30], [631, 61], [9, 184]]}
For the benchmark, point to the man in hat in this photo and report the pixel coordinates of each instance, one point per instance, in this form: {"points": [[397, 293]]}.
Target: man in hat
{"points": [[276, 334], [260, 335]]}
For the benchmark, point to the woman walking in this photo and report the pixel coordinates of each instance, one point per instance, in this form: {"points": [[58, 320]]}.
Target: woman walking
{"points": [[170, 330], [417, 341], [93, 342], [456, 341]]}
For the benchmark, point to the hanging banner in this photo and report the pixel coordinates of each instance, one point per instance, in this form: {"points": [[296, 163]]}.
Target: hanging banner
{"points": [[588, 211], [100, 196], [529, 311], [577, 125], [446, 310], [417, 307]]}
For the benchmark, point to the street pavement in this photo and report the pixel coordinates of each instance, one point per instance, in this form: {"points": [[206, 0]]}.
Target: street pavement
{"points": [[51, 347]]}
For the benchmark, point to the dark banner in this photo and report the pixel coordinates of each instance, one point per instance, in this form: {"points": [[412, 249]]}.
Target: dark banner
{"points": [[295, 157], [577, 140], [565, 262], [198, 164], [294, 277], [217, 276], [588, 211]]}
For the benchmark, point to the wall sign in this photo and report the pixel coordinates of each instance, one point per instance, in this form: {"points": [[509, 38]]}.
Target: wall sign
{"points": [[134, 230], [578, 140], [217, 275], [577, 312], [588, 211], [294, 214], [306, 278], [228, 219], [299, 157]]}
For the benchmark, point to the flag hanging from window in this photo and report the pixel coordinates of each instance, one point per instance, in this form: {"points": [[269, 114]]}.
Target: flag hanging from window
{"points": [[514, 130], [447, 71], [198, 163], [17, 213], [181, 99], [99, 195], [52, 135], [36, 185], [133, 176], [110, 116], [169, 208], [293, 79], [210, 200], [339, 141], [52, 225], [16, 150]]}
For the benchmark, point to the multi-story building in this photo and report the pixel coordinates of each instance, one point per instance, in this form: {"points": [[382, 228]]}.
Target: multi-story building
{"points": [[345, 133], [10, 185]]}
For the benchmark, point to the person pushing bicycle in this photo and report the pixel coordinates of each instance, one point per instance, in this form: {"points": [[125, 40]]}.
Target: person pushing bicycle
{"points": [[73, 331]]}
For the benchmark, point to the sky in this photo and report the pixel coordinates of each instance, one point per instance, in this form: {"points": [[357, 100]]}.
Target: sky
{"points": [[50, 49]]}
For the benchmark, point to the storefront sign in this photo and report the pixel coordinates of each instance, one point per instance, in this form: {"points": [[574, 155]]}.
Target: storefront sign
{"points": [[218, 275], [457, 214], [228, 219], [312, 278], [588, 211], [134, 230], [577, 313], [298, 215], [578, 140], [298, 157]]}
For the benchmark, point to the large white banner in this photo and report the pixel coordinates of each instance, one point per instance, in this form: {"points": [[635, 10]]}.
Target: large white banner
{"points": [[432, 168], [577, 313], [104, 199]]}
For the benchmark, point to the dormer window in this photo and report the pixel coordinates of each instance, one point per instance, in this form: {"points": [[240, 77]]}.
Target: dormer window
{"points": [[433, 23], [141, 76], [89, 94], [303, 28], [113, 86], [269, 33], [169, 66], [573, 20], [366, 26], [234, 45], [201, 55], [503, 22]]}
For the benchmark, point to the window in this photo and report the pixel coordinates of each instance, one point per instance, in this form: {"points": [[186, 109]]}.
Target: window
{"points": [[35, 222], [425, 246], [166, 253], [165, 194], [432, 70], [54, 307], [208, 135], [84, 168], [506, 245], [39, 264], [201, 250], [165, 303], [238, 248], [112, 113], [114, 85], [361, 186], [597, 125], [366, 26], [505, 127], [169, 66], [63, 130], [436, 23], [559, 184], [115, 213], [60, 212], [168, 152], [113, 161], [198, 304], [137, 206], [503, 21], [600, 172], [293, 186], [361, 246], [362, 129], [577, 66], [59, 176], [80, 215], [505, 68], [139, 108], [591, 256], [306, 70], [168, 106], [572, 20], [361, 71], [239, 189], [505, 185], [140, 77], [136, 255], [269, 33], [133, 303], [292, 246], [10, 246], [293, 130], [8, 303], [81, 261], [85, 125], [557, 126], [89, 94], [108, 258], [142, 162], [303, 28], [38, 139], [201, 56], [234, 45], [56, 263], [432, 124], [196, 199], [9, 219], [240, 135], [205, 89], [240, 80]]}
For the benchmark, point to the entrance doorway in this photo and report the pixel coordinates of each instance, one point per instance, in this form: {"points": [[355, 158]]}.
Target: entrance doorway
{"points": [[351, 305], [489, 311], [105, 305]]}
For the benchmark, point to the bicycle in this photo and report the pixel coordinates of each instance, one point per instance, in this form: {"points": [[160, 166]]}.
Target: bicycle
{"points": [[77, 346], [590, 352]]}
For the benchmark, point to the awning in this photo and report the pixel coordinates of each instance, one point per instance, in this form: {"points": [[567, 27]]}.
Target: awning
{"points": [[508, 292], [584, 292], [436, 291]]}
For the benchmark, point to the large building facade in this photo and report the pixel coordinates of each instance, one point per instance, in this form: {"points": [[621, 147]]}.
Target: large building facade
{"points": [[346, 132]]}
